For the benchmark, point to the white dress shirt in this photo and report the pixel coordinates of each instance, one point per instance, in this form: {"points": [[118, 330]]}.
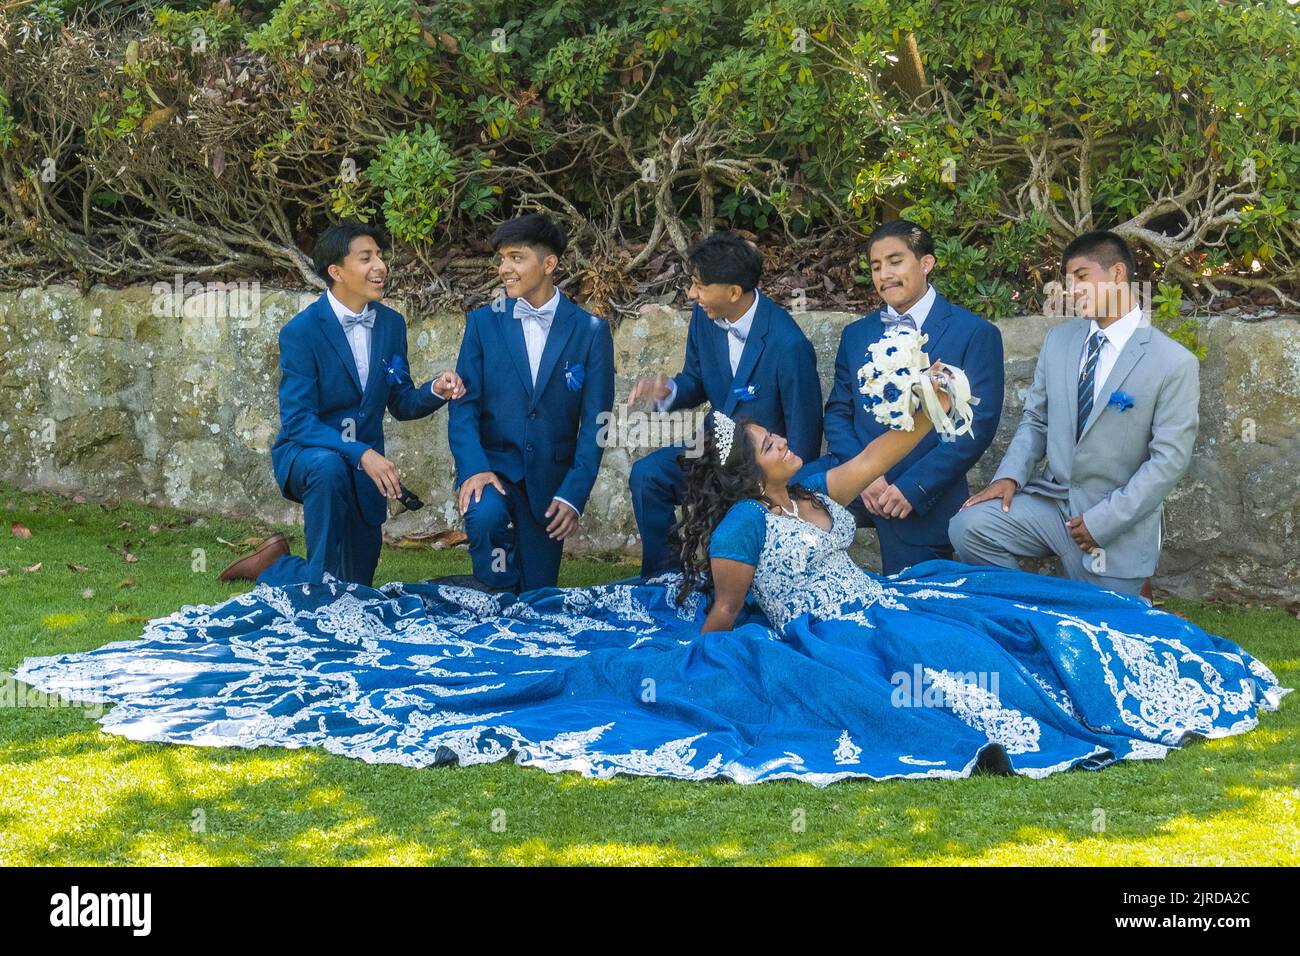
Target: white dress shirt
{"points": [[535, 336], [358, 338], [735, 347], [919, 311], [1114, 337], [535, 341]]}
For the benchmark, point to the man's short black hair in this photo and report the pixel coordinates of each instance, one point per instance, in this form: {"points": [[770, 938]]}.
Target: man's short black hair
{"points": [[726, 258], [1104, 248], [534, 230], [914, 237], [334, 243]]}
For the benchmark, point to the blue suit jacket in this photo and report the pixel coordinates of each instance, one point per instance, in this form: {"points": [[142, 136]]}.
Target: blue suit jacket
{"points": [[933, 475], [778, 366], [543, 435], [321, 401]]}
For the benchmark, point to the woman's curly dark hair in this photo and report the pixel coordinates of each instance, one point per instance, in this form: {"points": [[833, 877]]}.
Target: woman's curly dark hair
{"points": [[712, 487]]}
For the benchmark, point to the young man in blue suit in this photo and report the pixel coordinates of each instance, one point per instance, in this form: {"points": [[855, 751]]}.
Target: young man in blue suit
{"points": [[342, 362], [745, 356], [538, 373], [910, 505]]}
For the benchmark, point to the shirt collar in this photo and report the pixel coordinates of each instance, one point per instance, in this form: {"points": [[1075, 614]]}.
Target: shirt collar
{"points": [[921, 309], [743, 323], [1119, 332], [341, 311]]}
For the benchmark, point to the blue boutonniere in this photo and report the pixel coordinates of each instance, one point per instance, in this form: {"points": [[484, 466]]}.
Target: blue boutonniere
{"points": [[573, 376], [397, 370], [1120, 401], [746, 393]]}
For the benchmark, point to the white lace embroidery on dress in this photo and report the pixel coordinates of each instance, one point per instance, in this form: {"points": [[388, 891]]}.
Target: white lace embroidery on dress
{"points": [[804, 569], [847, 751], [1153, 699], [980, 708]]}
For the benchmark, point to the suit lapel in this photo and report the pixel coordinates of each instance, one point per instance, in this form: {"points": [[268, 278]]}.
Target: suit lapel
{"points": [[750, 353], [935, 327], [512, 333], [1133, 351], [334, 335], [562, 327]]}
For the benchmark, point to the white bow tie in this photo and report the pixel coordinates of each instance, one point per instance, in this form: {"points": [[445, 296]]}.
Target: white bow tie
{"points": [[351, 320], [730, 329], [526, 310]]}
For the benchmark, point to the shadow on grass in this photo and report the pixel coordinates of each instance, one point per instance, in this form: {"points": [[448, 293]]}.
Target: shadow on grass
{"points": [[159, 803]]}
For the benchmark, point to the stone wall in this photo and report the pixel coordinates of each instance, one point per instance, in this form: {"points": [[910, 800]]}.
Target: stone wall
{"points": [[106, 394]]}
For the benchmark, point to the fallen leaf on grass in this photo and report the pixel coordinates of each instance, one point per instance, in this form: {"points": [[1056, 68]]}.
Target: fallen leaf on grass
{"points": [[20, 530], [33, 568], [126, 583], [437, 540], [123, 552], [78, 568]]}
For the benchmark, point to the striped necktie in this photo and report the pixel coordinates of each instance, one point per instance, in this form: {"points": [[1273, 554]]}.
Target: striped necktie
{"points": [[1087, 378]]}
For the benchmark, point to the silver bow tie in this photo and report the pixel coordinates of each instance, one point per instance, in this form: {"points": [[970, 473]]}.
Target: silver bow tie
{"points": [[729, 328], [366, 318], [526, 310], [899, 321]]}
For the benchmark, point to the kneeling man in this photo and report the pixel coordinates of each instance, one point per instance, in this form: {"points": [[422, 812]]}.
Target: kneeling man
{"points": [[1112, 417]]}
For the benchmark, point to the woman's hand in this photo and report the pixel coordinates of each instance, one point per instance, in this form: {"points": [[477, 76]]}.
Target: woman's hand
{"points": [[939, 379]]}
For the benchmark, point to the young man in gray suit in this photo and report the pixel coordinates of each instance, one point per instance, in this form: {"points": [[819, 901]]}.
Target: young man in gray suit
{"points": [[1113, 410]]}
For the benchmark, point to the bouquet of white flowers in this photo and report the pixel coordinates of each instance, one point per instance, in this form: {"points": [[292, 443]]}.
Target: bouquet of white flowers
{"points": [[896, 382]]}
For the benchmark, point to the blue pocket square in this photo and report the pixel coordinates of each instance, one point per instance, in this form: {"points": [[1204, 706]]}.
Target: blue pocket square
{"points": [[573, 376], [397, 370], [746, 393], [1120, 401]]}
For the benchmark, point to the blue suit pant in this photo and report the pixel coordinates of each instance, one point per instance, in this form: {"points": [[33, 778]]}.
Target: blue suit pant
{"points": [[339, 540]]}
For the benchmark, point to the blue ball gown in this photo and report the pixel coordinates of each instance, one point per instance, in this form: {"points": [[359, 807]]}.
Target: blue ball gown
{"points": [[830, 673]]}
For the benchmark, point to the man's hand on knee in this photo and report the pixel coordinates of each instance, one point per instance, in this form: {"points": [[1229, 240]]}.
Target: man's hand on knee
{"points": [[1003, 488], [472, 488]]}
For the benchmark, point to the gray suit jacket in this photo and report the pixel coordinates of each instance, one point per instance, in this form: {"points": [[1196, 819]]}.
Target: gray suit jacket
{"points": [[1126, 461]]}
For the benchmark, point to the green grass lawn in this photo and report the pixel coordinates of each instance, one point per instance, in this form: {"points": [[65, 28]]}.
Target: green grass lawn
{"points": [[74, 795]]}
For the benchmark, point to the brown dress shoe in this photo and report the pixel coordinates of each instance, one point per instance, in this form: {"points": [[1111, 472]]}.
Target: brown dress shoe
{"points": [[248, 568]]}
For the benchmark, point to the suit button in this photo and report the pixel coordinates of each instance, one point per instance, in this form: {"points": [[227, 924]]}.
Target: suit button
{"points": [[528, 447], [531, 416]]}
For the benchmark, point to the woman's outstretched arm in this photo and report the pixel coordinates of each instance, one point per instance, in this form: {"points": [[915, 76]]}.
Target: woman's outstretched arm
{"points": [[845, 482], [731, 581]]}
